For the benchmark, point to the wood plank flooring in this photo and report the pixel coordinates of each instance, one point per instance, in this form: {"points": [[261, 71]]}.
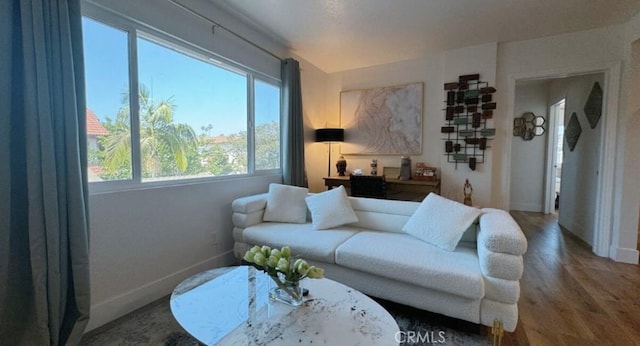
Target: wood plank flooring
{"points": [[570, 296]]}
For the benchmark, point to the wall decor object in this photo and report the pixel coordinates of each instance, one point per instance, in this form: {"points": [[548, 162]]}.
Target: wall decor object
{"points": [[593, 106], [341, 166], [467, 191], [572, 131], [528, 125], [383, 120], [468, 106], [405, 168], [424, 172]]}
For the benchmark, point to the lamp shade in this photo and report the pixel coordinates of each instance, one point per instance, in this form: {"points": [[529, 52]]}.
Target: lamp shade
{"points": [[330, 135]]}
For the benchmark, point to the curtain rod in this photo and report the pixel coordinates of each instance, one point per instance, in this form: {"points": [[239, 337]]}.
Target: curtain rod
{"points": [[218, 25]]}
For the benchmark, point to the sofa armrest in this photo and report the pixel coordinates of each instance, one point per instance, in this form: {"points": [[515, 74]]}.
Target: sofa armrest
{"points": [[248, 211], [500, 233], [249, 204]]}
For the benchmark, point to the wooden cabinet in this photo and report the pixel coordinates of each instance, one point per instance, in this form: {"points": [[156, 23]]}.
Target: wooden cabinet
{"points": [[405, 190]]}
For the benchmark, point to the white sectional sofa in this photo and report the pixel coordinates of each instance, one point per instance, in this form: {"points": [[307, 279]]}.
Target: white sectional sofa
{"points": [[477, 282]]}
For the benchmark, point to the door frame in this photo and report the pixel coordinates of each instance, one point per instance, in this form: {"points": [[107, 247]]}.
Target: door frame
{"points": [[605, 193], [552, 157]]}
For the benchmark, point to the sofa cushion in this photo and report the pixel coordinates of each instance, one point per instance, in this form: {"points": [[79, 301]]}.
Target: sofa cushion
{"points": [[407, 259], [330, 209], [286, 204], [441, 221], [303, 240], [382, 214]]}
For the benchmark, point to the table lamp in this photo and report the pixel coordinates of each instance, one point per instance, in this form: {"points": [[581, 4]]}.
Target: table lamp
{"points": [[329, 135]]}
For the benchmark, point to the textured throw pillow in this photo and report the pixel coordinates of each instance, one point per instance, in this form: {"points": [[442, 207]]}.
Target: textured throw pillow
{"points": [[286, 204], [440, 221], [330, 209]]}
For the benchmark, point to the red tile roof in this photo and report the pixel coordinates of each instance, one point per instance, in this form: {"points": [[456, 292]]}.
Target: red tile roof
{"points": [[94, 127]]}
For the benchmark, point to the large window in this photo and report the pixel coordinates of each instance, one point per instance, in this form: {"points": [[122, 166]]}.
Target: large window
{"points": [[191, 117]]}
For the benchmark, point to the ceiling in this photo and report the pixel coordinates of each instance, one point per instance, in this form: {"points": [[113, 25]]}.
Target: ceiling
{"points": [[337, 35]]}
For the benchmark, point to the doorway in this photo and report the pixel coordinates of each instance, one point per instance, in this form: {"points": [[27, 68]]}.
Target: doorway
{"points": [[551, 168], [604, 233], [554, 157]]}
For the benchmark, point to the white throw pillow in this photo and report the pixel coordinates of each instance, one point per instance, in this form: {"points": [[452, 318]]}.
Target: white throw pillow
{"points": [[440, 221], [330, 209], [286, 204]]}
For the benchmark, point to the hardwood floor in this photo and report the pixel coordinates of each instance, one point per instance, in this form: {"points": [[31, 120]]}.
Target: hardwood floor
{"points": [[570, 296]]}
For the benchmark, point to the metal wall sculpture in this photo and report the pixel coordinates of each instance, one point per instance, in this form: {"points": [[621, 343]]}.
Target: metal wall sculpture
{"points": [[469, 104]]}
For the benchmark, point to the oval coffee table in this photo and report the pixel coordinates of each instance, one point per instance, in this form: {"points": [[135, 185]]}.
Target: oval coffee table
{"points": [[231, 306]]}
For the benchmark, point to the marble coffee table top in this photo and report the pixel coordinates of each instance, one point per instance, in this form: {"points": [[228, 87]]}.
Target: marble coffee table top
{"points": [[231, 306]]}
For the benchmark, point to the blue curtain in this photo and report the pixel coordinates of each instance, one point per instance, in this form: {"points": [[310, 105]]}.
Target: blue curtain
{"points": [[44, 251], [293, 126]]}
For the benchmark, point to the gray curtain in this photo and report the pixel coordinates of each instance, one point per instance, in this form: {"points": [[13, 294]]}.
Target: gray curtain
{"points": [[292, 127], [44, 252]]}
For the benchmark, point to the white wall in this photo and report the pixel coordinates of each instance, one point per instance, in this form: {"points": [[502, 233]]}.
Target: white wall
{"points": [[178, 23], [146, 241], [578, 52], [528, 157], [580, 166], [434, 71], [477, 59], [553, 56], [627, 208], [584, 51], [428, 70], [314, 106]]}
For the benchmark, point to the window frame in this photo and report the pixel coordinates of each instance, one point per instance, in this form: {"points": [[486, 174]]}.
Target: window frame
{"points": [[280, 119], [134, 30]]}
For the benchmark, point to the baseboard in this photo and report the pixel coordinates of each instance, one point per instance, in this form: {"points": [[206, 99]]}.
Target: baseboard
{"points": [[120, 305], [534, 207], [625, 255], [577, 230]]}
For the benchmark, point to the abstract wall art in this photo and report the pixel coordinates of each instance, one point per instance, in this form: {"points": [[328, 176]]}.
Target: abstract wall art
{"points": [[382, 121], [593, 106], [572, 131]]}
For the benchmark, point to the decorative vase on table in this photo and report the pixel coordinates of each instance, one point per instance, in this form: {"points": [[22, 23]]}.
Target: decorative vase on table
{"points": [[405, 168], [286, 291], [285, 270], [341, 166]]}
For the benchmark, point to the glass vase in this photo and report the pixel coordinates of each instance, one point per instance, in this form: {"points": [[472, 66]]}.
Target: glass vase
{"points": [[289, 292]]}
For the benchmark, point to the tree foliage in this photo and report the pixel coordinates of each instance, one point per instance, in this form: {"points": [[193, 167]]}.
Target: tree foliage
{"points": [[171, 149], [165, 145]]}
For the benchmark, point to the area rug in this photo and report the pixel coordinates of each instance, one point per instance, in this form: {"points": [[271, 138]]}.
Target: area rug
{"points": [[154, 325]]}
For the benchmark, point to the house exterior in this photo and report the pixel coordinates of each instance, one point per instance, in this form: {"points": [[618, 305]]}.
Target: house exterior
{"points": [[94, 129]]}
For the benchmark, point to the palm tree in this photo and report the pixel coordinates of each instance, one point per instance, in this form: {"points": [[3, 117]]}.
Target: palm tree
{"points": [[165, 145]]}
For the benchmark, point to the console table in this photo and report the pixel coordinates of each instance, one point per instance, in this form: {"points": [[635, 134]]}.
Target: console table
{"points": [[406, 190]]}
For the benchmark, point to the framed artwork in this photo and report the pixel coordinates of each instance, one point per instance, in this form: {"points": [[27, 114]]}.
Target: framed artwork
{"points": [[382, 120]]}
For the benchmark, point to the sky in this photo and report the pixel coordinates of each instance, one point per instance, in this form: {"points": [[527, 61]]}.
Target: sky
{"points": [[202, 92]]}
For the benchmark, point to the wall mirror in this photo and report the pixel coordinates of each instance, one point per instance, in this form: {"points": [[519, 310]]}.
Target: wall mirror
{"points": [[528, 126]]}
